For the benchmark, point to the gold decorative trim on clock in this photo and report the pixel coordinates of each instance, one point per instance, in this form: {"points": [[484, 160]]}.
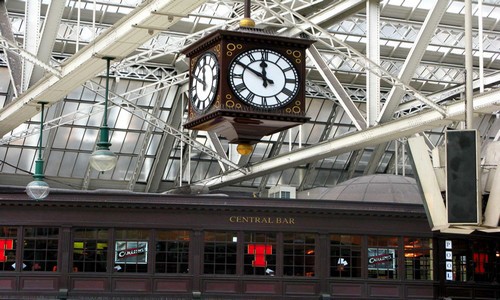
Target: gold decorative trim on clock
{"points": [[229, 103], [231, 47]]}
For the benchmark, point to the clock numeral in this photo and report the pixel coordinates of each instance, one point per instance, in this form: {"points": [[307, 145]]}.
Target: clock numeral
{"points": [[265, 55], [290, 80], [250, 97], [264, 101], [240, 87], [238, 76], [251, 57], [287, 92]]}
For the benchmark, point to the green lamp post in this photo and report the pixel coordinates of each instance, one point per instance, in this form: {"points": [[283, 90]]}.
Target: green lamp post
{"points": [[102, 159], [38, 189]]}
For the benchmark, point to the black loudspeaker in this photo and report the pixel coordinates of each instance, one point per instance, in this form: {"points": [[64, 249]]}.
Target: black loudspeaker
{"points": [[462, 196]]}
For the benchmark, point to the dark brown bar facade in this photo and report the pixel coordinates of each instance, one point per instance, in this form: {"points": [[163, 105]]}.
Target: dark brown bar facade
{"points": [[112, 245]]}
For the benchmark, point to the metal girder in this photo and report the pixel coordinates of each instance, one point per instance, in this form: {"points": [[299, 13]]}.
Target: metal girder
{"points": [[167, 142], [118, 41], [432, 198], [405, 126], [156, 111], [413, 59], [217, 147], [10, 46], [413, 105], [335, 10], [31, 38], [336, 87], [373, 54], [13, 61], [48, 37]]}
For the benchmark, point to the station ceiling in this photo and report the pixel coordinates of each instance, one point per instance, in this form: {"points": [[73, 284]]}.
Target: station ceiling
{"points": [[363, 103]]}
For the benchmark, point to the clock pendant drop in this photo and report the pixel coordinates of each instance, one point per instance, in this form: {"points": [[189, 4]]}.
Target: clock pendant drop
{"points": [[263, 78], [204, 81]]}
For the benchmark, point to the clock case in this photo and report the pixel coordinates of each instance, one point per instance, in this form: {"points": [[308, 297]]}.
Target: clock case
{"points": [[230, 117]]}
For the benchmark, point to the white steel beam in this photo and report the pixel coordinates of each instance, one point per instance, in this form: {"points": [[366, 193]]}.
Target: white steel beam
{"points": [[413, 59], [432, 198], [402, 127], [13, 60], [31, 37], [373, 54], [118, 41], [336, 87], [492, 211], [48, 37]]}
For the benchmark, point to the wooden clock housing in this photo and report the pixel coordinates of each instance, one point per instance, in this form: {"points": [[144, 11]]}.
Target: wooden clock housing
{"points": [[229, 116]]}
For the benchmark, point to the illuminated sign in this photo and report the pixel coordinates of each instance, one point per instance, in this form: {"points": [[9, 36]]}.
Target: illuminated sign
{"points": [[127, 252], [5, 245], [262, 220], [381, 259], [259, 251]]}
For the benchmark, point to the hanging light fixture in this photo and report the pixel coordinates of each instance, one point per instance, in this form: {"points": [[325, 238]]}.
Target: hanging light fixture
{"points": [[102, 159], [38, 189]]}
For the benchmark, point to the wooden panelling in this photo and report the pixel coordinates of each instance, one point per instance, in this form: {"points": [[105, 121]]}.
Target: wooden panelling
{"points": [[39, 284], [347, 289], [220, 286], [458, 292], [420, 292], [89, 284], [258, 287], [131, 285], [297, 288], [389, 291], [7, 284], [172, 285]]}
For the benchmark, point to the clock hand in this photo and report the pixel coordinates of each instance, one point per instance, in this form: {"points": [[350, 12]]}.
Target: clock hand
{"points": [[203, 74], [255, 72], [200, 81], [263, 65]]}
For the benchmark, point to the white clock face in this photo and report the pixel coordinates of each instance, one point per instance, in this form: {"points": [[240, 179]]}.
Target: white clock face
{"points": [[204, 81], [263, 78]]}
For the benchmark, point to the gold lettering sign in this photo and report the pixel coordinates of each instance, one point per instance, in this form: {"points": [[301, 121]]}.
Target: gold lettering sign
{"points": [[262, 220]]}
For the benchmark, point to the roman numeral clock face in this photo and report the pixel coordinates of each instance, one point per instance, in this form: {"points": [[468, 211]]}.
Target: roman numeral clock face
{"points": [[204, 82], [263, 78]]}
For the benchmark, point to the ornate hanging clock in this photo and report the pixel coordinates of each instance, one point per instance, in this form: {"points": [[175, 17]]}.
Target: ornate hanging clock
{"points": [[246, 84], [204, 81]]}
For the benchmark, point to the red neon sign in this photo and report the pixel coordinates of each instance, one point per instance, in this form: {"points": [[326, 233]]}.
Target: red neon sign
{"points": [[5, 245], [259, 251], [480, 260]]}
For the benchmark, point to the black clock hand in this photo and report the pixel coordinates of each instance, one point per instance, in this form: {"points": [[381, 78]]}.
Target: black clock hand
{"points": [[263, 65], [200, 81], [255, 72], [203, 74]]}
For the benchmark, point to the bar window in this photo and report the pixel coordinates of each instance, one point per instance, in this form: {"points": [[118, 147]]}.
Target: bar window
{"points": [[40, 249], [8, 246], [220, 253], [131, 250], [260, 253], [345, 256], [382, 257], [90, 249], [298, 254], [418, 258], [172, 251]]}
